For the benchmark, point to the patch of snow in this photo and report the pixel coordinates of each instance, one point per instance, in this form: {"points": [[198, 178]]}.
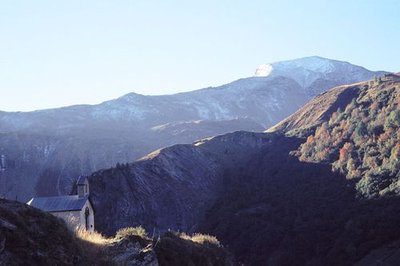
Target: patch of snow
{"points": [[314, 64], [263, 70]]}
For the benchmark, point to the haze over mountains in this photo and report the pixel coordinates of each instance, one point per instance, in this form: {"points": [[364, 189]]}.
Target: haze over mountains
{"points": [[45, 150]]}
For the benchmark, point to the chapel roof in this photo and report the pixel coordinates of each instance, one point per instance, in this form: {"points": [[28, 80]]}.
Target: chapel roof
{"points": [[59, 203]]}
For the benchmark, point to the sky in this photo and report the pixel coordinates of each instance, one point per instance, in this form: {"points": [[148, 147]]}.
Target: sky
{"points": [[58, 53]]}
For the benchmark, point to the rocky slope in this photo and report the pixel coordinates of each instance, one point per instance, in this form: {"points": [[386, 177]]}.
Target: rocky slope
{"points": [[45, 150], [171, 188]]}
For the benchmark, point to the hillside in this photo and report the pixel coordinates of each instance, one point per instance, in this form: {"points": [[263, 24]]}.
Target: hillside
{"points": [[171, 188], [252, 191], [282, 211], [361, 139], [44, 151], [266, 209], [317, 110], [29, 236]]}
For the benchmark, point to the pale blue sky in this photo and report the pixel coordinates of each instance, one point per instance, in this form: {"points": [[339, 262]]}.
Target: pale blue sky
{"points": [[56, 53]]}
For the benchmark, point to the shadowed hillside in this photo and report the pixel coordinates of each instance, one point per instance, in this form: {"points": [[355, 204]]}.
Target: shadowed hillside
{"points": [[285, 212], [171, 188], [29, 236]]}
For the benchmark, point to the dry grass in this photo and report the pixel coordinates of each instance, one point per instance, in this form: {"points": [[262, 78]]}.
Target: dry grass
{"points": [[92, 237], [131, 231], [175, 248], [201, 238], [192, 249], [93, 245], [100, 250]]}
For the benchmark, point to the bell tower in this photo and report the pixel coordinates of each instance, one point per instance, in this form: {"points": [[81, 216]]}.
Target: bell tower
{"points": [[82, 186]]}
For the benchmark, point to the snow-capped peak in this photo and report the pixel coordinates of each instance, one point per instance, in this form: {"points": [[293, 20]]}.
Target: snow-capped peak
{"points": [[303, 70], [312, 63]]}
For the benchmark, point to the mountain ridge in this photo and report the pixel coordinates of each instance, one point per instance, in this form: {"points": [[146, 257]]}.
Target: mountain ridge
{"points": [[298, 62], [49, 148]]}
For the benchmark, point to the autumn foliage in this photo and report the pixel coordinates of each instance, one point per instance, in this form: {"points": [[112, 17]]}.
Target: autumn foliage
{"points": [[363, 141]]}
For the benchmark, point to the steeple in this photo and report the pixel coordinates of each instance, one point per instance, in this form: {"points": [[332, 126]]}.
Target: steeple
{"points": [[82, 186], [2, 162]]}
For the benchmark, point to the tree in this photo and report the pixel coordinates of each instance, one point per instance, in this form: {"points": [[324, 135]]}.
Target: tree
{"points": [[344, 151], [361, 129], [352, 171], [350, 106], [322, 132], [393, 120], [310, 140]]}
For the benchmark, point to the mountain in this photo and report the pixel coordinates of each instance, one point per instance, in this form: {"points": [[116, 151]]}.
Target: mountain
{"points": [[287, 196], [44, 151]]}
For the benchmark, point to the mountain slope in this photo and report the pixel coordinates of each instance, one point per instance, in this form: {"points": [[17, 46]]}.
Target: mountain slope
{"points": [[362, 139], [355, 128], [256, 196], [269, 205], [173, 187], [45, 150], [317, 110]]}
